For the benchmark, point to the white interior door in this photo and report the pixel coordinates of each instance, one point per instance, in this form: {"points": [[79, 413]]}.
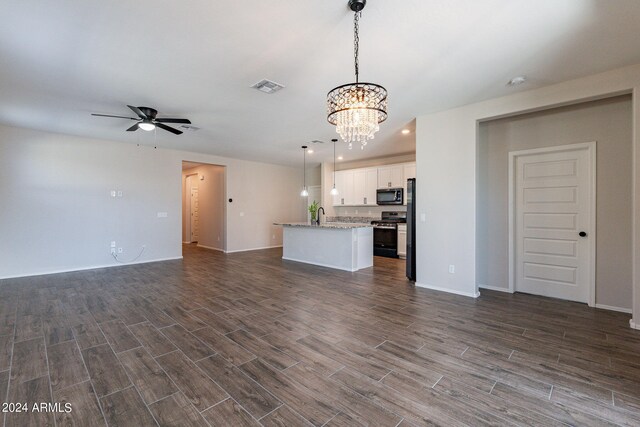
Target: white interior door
{"points": [[554, 192], [194, 214]]}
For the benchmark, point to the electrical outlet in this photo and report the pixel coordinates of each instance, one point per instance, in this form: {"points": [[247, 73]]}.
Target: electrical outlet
{"points": [[452, 269], [120, 250]]}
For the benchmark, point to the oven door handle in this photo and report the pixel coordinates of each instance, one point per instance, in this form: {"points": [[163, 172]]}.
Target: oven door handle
{"points": [[380, 227]]}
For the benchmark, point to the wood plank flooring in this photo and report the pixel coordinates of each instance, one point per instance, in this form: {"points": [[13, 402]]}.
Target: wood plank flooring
{"points": [[250, 339]]}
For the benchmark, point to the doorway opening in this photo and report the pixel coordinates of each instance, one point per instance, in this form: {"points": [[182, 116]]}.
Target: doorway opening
{"points": [[203, 205]]}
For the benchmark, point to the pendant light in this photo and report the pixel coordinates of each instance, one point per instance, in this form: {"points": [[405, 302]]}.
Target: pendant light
{"points": [[304, 192], [357, 109], [334, 190]]}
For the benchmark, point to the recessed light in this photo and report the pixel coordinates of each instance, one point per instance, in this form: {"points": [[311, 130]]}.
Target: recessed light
{"points": [[339, 157], [516, 81], [406, 131], [310, 151]]}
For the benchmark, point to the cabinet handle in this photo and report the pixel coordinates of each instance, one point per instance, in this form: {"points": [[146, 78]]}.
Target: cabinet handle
{"points": [[342, 201]]}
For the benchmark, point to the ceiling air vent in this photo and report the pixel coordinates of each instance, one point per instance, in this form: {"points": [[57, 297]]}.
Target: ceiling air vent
{"points": [[317, 141], [267, 86]]}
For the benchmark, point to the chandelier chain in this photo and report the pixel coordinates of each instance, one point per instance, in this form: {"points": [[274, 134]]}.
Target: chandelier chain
{"points": [[356, 42]]}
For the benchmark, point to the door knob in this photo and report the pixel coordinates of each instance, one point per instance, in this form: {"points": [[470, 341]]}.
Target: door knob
{"points": [[582, 234]]}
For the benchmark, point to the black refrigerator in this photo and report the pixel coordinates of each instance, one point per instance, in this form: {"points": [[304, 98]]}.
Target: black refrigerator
{"points": [[411, 229]]}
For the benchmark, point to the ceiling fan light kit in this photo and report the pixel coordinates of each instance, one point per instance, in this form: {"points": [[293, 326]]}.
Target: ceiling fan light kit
{"points": [[357, 109], [148, 121], [146, 125]]}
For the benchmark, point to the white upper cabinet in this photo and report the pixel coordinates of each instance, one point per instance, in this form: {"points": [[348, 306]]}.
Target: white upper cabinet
{"points": [[390, 176], [370, 187], [357, 187], [365, 183]]}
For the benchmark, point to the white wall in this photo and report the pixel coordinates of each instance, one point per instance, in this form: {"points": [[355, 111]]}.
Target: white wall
{"points": [[56, 212], [606, 121], [446, 175]]}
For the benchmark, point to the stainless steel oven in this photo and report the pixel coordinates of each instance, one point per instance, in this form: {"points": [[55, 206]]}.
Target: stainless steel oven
{"points": [[390, 196], [385, 240], [385, 233]]}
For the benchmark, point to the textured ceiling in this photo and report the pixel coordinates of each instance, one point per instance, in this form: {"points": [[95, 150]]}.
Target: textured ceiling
{"points": [[64, 59]]}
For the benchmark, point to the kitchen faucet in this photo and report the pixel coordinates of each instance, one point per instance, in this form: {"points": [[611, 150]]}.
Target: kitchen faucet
{"points": [[323, 213]]}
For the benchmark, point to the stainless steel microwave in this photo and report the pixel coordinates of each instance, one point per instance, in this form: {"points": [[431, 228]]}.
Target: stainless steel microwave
{"points": [[390, 196]]}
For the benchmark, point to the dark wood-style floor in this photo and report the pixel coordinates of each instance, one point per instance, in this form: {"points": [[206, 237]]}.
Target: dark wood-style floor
{"points": [[249, 339]]}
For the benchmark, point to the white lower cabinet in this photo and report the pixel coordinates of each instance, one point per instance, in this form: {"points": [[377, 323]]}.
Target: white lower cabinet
{"points": [[402, 240]]}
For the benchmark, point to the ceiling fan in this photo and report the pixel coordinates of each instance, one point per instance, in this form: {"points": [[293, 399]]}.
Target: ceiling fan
{"points": [[147, 120]]}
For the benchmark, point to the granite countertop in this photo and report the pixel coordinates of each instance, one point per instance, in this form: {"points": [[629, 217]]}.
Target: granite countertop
{"points": [[333, 225]]}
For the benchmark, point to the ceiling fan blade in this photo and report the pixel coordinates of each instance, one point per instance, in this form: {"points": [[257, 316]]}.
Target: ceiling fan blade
{"points": [[169, 129], [165, 120], [132, 128], [138, 112], [109, 115]]}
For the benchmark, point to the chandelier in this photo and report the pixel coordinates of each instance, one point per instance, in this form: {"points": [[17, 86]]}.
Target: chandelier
{"points": [[357, 109]]}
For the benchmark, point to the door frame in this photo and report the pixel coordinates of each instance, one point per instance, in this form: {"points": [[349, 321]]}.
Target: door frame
{"points": [[591, 152], [187, 202]]}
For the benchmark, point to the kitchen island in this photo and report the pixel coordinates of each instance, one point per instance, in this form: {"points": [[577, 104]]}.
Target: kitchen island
{"points": [[343, 246]]}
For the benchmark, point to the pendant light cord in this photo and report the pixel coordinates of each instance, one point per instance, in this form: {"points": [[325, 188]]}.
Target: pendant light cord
{"points": [[356, 43], [304, 170], [334, 164]]}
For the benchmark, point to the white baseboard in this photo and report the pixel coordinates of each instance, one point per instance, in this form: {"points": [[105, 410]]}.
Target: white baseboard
{"points": [[612, 308], [633, 324], [252, 249], [210, 247], [494, 288], [451, 291], [93, 267], [320, 265]]}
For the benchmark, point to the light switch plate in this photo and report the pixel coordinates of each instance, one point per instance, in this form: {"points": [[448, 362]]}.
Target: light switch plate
{"points": [[162, 214], [113, 193], [113, 244]]}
